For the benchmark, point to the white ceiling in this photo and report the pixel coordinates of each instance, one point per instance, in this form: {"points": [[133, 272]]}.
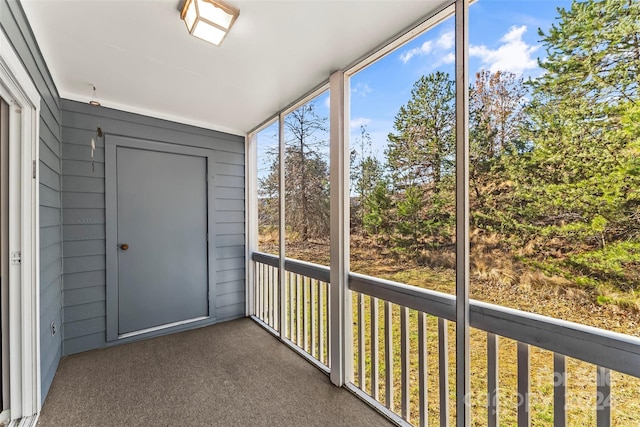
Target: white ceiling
{"points": [[141, 58]]}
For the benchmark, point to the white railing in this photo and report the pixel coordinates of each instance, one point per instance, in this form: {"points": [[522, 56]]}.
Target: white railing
{"points": [[388, 316], [304, 322]]}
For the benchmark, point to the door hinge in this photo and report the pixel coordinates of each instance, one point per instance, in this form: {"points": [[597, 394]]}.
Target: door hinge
{"points": [[34, 169], [16, 258]]}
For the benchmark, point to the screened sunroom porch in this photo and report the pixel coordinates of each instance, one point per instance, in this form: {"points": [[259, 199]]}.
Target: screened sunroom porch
{"points": [[415, 354]]}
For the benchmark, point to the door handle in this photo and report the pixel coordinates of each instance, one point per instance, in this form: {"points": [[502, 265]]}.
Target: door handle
{"points": [[124, 246]]}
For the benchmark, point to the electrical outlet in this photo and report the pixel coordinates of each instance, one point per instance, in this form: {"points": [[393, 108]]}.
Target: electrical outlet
{"points": [[54, 328]]}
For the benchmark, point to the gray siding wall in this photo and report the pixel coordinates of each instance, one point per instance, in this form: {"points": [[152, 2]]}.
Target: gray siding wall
{"points": [[83, 203], [15, 26]]}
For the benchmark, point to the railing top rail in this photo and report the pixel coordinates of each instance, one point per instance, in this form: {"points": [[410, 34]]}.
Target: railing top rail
{"points": [[604, 348], [600, 347], [432, 302], [265, 258], [308, 269]]}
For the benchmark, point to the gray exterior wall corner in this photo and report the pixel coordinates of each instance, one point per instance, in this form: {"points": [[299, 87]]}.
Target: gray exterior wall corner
{"points": [[14, 24], [83, 207]]}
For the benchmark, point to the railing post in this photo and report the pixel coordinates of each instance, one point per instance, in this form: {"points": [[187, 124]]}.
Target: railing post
{"points": [[340, 339], [524, 385], [251, 225], [603, 400], [463, 360], [493, 407], [559, 390]]}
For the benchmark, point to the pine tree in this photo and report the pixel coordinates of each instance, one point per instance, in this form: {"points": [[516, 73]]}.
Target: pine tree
{"points": [[366, 173], [576, 184], [420, 157], [421, 149]]}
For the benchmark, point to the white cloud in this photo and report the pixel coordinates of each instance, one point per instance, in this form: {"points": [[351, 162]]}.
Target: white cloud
{"points": [[425, 49], [327, 102], [436, 47], [449, 58], [446, 41], [513, 55], [359, 121], [361, 89]]}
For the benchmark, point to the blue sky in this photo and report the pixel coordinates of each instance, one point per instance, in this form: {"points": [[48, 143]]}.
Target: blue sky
{"points": [[503, 35]]}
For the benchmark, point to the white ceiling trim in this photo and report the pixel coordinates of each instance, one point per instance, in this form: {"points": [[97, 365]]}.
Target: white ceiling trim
{"points": [[153, 113]]}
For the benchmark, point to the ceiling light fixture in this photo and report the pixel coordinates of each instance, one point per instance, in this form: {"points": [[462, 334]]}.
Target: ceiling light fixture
{"points": [[209, 20], [94, 99]]}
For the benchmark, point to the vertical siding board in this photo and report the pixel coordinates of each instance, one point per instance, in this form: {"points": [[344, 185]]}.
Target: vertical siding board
{"points": [[14, 24], [83, 214]]}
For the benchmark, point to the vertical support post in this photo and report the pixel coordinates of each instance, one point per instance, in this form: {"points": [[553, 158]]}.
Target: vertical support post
{"points": [[492, 380], [291, 301], [305, 314], [603, 400], [298, 310], [388, 356], [256, 292], [524, 385], [321, 307], [264, 279], [312, 308], [559, 390], [251, 225], [423, 370], [405, 354], [362, 382], [375, 348], [443, 370], [463, 360], [340, 338], [260, 313], [273, 278], [282, 279]]}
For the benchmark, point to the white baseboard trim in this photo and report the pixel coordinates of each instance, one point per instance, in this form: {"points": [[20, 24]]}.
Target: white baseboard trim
{"points": [[25, 421]]}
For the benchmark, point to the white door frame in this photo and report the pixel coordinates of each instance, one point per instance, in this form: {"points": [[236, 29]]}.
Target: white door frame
{"points": [[17, 89]]}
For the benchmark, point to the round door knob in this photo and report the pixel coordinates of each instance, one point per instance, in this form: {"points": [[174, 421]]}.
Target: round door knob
{"points": [[124, 246]]}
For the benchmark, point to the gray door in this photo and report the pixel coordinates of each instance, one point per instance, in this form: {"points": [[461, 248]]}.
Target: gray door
{"points": [[162, 273]]}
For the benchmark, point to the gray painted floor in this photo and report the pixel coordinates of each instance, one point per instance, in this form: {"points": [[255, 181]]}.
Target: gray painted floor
{"points": [[230, 374]]}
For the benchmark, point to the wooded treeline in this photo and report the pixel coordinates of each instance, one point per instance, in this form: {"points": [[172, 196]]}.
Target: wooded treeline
{"points": [[555, 167]]}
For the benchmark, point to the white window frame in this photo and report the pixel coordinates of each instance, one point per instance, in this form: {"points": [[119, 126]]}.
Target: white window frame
{"points": [[340, 316], [18, 90]]}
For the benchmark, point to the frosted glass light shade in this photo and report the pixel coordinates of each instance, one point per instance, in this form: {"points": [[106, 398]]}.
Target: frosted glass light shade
{"points": [[209, 20]]}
